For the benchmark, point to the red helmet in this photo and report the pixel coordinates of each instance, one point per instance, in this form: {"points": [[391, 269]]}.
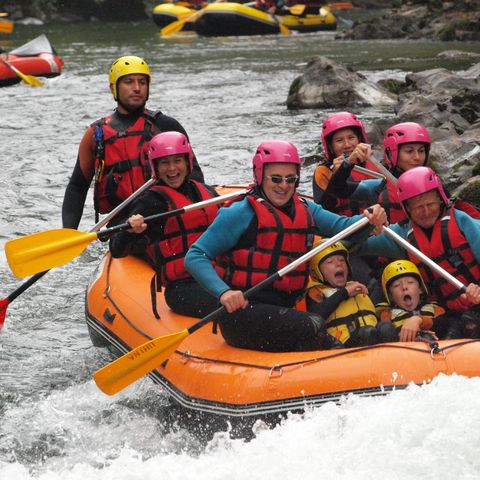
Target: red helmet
{"points": [[407, 132], [338, 121], [419, 180], [169, 143], [274, 151]]}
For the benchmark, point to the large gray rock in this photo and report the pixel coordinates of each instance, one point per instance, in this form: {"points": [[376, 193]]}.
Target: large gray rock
{"points": [[327, 84], [448, 104], [441, 97]]}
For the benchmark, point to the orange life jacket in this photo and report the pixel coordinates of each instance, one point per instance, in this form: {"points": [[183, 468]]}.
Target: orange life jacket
{"points": [[279, 240], [180, 232]]}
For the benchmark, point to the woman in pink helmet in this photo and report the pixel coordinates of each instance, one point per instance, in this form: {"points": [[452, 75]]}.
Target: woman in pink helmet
{"points": [[164, 243], [343, 137], [444, 232], [253, 239], [406, 146]]}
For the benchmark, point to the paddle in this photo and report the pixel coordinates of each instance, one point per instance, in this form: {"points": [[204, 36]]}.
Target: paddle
{"points": [[6, 301], [297, 9], [421, 256], [176, 26], [130, 367], [30, 79], [52, 248], [284, 30]]}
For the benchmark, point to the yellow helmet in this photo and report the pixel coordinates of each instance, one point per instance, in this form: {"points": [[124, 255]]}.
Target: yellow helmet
{"points": [[126, 66], [335, 249], [397, 269]]}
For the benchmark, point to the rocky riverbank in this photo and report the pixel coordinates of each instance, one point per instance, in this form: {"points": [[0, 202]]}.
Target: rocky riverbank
{"points": [[447, 103], [413, 19]]}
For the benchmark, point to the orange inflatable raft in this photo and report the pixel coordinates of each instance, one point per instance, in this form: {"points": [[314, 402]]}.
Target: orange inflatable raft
{"points": [[36, 58], [207, 375]]}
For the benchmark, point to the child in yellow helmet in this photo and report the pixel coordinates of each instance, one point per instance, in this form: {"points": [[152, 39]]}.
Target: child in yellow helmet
{"points": [[349, 312], [406, 306]]}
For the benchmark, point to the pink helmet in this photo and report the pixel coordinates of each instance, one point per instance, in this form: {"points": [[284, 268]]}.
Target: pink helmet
{"points": [[169, 143], [419, 180], [338, 121], [407, 132], [274, 151]]}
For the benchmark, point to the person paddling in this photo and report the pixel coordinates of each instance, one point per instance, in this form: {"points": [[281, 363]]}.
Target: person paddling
{"points": [[113, 150], [445, 233], [257, 236], [406, 146], [165, 243], [343, 137]]}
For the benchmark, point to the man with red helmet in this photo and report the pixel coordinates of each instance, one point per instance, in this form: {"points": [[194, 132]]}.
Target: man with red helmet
{"points": [[253, 239], [113, 150], [165, 242], [445, 233]]}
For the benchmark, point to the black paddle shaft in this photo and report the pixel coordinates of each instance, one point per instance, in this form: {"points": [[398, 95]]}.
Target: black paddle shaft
{"points": [[108, 232]]}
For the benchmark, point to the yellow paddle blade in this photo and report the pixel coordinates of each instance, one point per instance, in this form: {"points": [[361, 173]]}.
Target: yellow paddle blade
{"points": [[173, 27], [297, 9], [283, 29], [176, 26], [135, 364], [44, 250], [30, 79], [6, 26]]}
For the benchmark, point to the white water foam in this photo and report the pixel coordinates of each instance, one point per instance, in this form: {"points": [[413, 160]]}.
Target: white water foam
{"points": [[426, 432]]}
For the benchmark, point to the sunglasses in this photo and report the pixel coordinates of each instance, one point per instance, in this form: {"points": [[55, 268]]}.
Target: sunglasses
{"points": [[279, 179]]}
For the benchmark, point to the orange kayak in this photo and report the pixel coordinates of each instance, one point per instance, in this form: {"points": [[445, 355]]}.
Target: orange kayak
{"points": [[206, 374]]}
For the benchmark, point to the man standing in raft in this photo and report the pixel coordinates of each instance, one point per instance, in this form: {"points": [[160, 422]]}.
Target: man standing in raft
{"points": [[166, 241], [114, 148], [442, 231], [253, 239]]}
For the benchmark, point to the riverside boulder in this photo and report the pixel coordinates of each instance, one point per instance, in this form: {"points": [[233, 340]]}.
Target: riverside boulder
{"points": [[328, 84]]}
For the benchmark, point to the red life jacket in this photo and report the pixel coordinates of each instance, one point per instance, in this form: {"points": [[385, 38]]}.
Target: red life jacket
{"points": [[180, 232], [121, 164], [279, 240], [389, 200], [449, 248]]}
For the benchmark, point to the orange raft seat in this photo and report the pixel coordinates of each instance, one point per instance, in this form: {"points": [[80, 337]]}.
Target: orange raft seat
{"points": [[36, 58]]}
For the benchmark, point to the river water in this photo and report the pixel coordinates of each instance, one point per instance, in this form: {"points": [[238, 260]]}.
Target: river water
{"points": [[229, 93]]}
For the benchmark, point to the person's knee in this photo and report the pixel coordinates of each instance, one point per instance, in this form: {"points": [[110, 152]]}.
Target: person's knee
{"points": [[368, 335], [387, 332], [470, 322]]}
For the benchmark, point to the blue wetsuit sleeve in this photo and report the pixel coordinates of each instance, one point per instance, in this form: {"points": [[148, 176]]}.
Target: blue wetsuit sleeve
{"points": [[329, 224], [471, 229], [382, 245], [221, 236], [368, 190]]}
